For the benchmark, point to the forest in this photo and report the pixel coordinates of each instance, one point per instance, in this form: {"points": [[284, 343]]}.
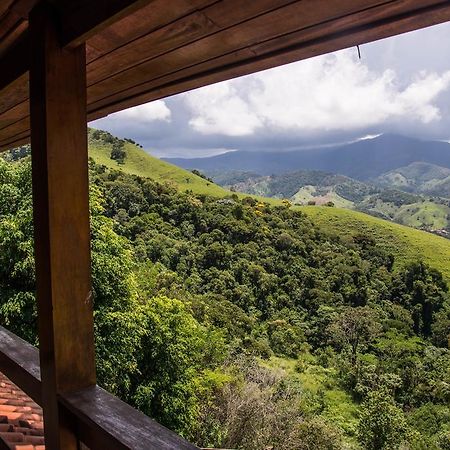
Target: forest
{"points": [[244, 325]]}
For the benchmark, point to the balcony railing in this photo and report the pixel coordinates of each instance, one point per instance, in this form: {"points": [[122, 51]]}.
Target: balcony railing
{"points": [[99, 420]]}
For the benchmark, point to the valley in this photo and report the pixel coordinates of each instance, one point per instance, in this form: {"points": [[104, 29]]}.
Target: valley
{"points": [[391, 177]]}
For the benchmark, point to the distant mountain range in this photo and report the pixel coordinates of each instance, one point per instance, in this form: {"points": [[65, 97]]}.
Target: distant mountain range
{"points": [[397, 178], [413, 206], [362, 160], [419, 177]]}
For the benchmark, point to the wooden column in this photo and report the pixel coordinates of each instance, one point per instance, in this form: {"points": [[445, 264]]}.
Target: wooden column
{"points": [[61, 220]]}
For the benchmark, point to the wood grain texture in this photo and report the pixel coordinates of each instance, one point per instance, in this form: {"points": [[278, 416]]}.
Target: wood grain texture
{"points": [[61, 221], [19, 361], [105, 422], [81, 19]]}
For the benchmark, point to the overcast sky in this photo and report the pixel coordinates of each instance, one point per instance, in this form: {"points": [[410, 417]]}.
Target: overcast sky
{"points": [[401, 85]]}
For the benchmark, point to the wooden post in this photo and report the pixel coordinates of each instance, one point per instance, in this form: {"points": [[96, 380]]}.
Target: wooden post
{"points": [[61, 220]]}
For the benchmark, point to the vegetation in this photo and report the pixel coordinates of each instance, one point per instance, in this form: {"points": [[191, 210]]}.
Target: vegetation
{"points": [[138, 162], [246, 325], [308, 187]]}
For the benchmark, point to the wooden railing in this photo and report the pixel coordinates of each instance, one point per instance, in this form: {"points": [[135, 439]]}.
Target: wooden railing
{"points": [[100, 420]]}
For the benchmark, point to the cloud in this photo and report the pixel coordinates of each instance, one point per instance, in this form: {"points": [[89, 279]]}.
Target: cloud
{"points": [[141, 115], [220, 109], [327, 93]]}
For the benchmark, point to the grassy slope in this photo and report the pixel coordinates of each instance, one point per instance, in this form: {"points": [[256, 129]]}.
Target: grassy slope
{"points": [[406, 243], [140, 163], [428, 213], [307, 193], [338, 406]]}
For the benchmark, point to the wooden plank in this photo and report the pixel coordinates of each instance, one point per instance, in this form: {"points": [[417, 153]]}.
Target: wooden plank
{"points": [[14, 63], [16, 141], [179, 33], [61, 221], [19, 361], [14, 93], [14, 114], [105, 422], [17, 126], [81, 19], [243, 30], [157, 14], [332, 35]]}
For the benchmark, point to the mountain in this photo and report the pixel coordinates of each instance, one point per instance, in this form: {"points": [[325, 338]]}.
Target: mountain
{"points": [[418, 177], [322, 188], [362, 160], [291, 185]]}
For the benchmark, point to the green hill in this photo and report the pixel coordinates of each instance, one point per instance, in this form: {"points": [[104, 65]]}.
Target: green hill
{"points": [[418, 177], [138, 162], [407, 244]]}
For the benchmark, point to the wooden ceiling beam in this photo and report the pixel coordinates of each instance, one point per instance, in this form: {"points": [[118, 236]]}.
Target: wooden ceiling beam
{"points": [[373, 24], [82, 19], [15, 62], [78, 21]]}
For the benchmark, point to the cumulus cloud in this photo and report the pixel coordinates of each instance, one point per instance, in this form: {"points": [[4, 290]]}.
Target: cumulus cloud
{"points": [[327, 93], [141, 115], [222, 109]]}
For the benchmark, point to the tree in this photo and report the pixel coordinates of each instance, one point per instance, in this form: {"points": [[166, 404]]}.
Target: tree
{"points": [[382, 424], [118, 152], [354, 328], [174, 352], [441, 327], [424, 291]]}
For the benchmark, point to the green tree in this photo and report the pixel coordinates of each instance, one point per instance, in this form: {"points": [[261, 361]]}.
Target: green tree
{"points": [[175, 350], [382, 424], [354, 328]]}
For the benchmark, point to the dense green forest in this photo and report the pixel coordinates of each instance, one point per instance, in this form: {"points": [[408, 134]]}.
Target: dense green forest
{"points": [[245, 325]]}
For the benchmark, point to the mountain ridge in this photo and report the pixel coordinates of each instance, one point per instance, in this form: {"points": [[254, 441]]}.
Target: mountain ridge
{"points": [[362, 160]]}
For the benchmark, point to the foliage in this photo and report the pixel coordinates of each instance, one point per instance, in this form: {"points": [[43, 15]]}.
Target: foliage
{"points": [[243, 324], [382, 424]]}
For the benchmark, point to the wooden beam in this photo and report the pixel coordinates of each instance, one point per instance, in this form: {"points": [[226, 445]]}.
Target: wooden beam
{"points": [[19, 361], [61, 221], [82, 19], [15, 62], [79, 20]]}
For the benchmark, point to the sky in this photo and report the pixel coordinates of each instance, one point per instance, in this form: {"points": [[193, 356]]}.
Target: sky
{"points": [[400, 85]]}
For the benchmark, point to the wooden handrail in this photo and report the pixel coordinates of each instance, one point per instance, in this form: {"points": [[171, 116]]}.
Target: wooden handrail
{"points": [[100, 419], [19, 361]]}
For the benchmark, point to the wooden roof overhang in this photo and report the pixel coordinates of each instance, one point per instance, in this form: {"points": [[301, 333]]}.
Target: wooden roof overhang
{"points": [[143, 50]]}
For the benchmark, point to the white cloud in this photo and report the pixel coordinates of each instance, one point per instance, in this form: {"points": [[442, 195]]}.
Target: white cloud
{"points": [[139, 115], [328, 93], [219, 109]]}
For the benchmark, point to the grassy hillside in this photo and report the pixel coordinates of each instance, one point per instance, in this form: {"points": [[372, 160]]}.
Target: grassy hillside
{"points": [[418, 177], [138, 162], [430, 214], [406, 243], [303, 186]]}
